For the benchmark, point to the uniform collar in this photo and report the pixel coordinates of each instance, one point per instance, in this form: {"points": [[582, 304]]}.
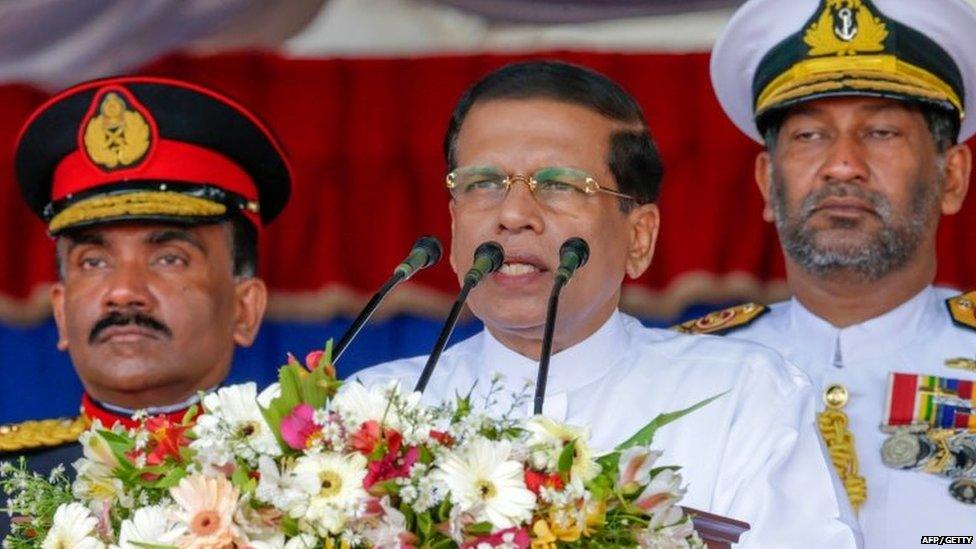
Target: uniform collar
{"points": [[874, 337], [570, 368], [110, 415]]}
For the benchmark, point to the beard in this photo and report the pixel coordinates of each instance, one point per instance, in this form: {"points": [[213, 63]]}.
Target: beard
{"points": [[887, 249]]}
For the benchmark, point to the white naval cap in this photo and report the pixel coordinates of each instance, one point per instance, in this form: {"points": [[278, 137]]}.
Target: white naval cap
{"points": [[777, 53]]}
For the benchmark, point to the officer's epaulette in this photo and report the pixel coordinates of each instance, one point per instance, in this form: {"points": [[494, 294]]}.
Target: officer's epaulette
{"points": [[45, 433], [962, 309], [724, 321]]}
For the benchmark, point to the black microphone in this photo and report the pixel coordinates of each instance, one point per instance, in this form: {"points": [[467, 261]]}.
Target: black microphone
{"points": [[426, 251], [572, 255], [488, 258]]}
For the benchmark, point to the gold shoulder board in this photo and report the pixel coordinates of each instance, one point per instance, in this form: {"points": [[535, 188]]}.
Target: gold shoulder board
{"points": [[45, 433], [962, 309], [724, 321]]}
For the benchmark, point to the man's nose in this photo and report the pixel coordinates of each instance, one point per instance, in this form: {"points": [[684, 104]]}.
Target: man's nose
{"points": [[128, 287], [520, 210], [846, 161]]}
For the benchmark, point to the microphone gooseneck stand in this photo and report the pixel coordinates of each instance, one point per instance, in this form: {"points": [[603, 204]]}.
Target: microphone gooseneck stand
{"points": [[488, 258], [572, 255], [426, 252]]}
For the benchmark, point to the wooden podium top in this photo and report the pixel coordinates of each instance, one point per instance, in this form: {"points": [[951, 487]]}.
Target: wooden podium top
{"points": [[717, 532]]}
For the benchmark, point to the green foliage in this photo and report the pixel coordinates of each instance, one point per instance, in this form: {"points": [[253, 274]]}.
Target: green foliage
{"points": [[299, 386]]}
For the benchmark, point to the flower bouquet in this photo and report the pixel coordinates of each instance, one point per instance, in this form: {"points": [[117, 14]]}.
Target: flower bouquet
{"points": [[312, 462]]}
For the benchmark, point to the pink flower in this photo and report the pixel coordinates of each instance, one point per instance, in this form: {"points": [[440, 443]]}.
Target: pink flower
{"points": [[298, 428], [509, 537], [206, 508]]}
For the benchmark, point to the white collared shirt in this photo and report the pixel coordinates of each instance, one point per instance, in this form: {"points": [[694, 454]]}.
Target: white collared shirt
{"points": [[752, 454], [916, 337]]}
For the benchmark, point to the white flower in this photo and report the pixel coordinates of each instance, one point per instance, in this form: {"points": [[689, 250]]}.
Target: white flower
{"points": [[661, 493], [387, 530], [551, 437], [275, 488], [73, 527], [357, 405], [635, 466], [483, 479], [302, 541], [233, 423], [333, 488], [149, 525]]}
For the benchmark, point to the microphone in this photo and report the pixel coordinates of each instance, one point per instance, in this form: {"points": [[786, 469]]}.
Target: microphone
{"points": [[488, 258], [572, 255], [426, 251]]}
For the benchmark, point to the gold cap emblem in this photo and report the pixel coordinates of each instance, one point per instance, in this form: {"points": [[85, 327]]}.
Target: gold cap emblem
{"points": [[845, 27], [117, 136]]}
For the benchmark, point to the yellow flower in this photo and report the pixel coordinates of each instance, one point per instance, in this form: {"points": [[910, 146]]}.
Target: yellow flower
{"points": [[566, 524], [542, 538]]}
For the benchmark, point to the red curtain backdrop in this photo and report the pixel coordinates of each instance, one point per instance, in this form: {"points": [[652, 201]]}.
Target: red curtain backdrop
{"points": [[364, 137]]}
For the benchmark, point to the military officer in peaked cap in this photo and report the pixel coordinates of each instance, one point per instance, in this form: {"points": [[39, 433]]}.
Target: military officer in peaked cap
{"points": [[861, 106], [155, 191]]}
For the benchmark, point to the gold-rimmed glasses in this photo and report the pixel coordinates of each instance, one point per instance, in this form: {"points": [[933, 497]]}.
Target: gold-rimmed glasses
{"points": [[557, 187]]}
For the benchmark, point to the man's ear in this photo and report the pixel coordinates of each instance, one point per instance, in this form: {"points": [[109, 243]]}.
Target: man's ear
{"points": [[57, 304], [958, 165], [763, 181], [644, 220], [251, 296]]}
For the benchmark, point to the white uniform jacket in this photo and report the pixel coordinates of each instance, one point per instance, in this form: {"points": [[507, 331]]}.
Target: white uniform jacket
{"points": [[916, 337]]}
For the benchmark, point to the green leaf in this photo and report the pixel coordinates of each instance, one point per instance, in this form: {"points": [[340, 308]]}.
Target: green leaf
{"points": [[152, 545], [479, 529], [645, 436], [425, 524], [565, 462]]}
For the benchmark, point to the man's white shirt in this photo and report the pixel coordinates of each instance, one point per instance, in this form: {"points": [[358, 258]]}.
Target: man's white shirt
{"points": [[752, 454], [916, 337]]}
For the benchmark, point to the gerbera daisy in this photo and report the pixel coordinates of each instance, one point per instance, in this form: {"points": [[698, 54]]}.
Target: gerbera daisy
{"points": [[206, 510], [73, 527], [233, 422], [149, 525], [482, 478], [333, 486]]}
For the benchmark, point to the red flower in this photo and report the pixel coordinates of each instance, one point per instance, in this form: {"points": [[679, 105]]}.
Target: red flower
{"points": [[534, 480], [368, 438], [390, 466], [442, 438], [165, 439]]}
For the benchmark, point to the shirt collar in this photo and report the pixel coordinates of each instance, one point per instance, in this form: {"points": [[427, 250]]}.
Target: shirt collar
{"points": [[570, 368], [873, 337]]}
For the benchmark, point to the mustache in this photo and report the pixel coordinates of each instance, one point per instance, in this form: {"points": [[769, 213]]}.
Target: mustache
{"points": [[879, 203], [116, 318]]}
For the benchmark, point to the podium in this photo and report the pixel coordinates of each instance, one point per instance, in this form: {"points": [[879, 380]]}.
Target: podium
{"points": [[717, 532]]}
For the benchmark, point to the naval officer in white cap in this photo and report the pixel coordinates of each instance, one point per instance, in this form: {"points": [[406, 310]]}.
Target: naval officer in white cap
{"points": [[861, 106]]}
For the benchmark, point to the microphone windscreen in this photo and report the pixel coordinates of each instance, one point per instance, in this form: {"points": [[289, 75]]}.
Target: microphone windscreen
{"points": [[431, 246], [577, 246], [493, 252]]}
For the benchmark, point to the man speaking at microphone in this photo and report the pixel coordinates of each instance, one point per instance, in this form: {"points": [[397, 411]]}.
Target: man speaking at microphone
{"points": [[539, 152]]}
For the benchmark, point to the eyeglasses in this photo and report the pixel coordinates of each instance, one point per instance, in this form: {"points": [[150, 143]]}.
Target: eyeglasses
{"points": [[556, 187]]}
